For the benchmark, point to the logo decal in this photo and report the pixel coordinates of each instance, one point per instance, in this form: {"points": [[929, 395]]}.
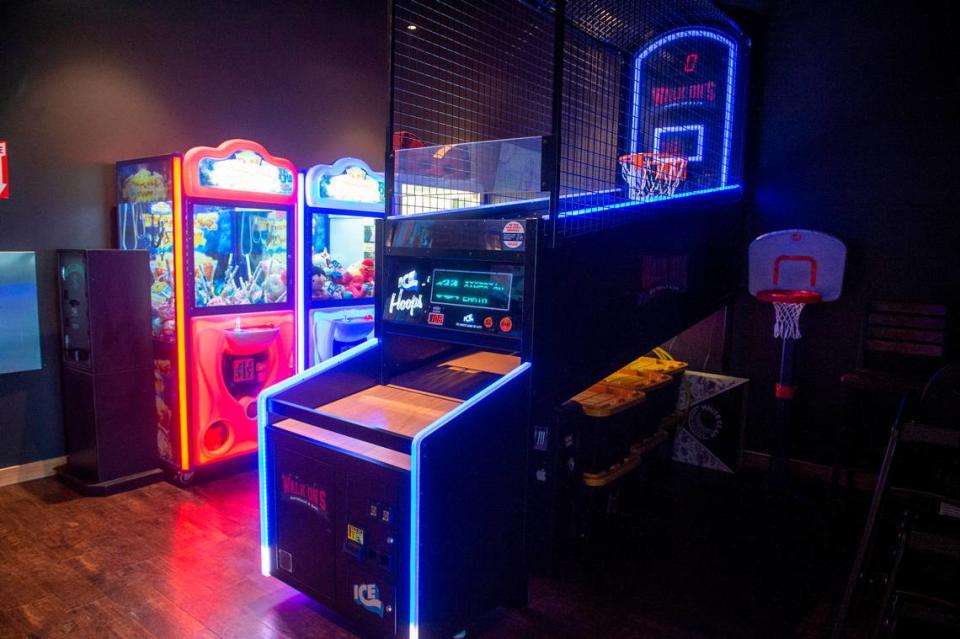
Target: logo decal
{"points": [[408, 282], [468, 318], [310, 495], [367, 596], [705, 422], [512, 235], [399, 303]]}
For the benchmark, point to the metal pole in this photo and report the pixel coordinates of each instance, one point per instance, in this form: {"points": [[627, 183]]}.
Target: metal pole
{"points": [[785, 392]]}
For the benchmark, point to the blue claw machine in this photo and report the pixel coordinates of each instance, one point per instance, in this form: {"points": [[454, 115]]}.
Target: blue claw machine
{"points": [[340, 203]]}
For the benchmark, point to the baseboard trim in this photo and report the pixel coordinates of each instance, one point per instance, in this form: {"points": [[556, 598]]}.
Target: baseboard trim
{"points": [[815, 472], [28, 472]]}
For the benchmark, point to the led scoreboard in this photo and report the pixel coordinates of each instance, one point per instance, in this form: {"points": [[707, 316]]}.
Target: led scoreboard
{"points": [[462, 299], [472, 289]]}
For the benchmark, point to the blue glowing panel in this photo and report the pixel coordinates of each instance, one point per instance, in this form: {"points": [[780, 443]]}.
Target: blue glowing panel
{"points": [[20, 335], [348, 184], [683, 105]]}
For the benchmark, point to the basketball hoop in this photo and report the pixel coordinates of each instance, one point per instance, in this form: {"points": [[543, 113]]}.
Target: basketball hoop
{"points": [[652, 175], [787, 306], [790, 269]]}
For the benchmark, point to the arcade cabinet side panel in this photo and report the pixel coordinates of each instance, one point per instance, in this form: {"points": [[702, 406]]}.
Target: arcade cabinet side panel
{"points": [[608, 297], [467, 510]]}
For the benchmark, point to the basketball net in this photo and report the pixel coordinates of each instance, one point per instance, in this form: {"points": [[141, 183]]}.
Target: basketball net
{"points": [[786, 323], [651, 175]]}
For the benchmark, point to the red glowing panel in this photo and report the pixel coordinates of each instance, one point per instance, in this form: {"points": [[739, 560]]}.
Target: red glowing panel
{"points": [[231, 365], [239, 170]]}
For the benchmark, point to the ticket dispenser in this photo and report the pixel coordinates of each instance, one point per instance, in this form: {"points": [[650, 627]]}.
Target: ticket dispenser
{"points": [[392, 476]]}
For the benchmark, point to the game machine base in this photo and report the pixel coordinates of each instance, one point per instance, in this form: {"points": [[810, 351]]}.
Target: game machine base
{"points": [[390, 471]]}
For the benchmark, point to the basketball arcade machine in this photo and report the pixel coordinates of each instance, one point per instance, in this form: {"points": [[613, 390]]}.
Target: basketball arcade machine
{"points": [[224, 215], [393, 475], [339, 204]]}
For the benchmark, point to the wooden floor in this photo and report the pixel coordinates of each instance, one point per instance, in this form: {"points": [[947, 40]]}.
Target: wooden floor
{"points": [[166, 562]]}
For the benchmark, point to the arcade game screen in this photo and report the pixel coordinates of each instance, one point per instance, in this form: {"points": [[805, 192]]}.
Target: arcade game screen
{"points": [[145, 217], [342, 257], [466, 297], [240, 256]]}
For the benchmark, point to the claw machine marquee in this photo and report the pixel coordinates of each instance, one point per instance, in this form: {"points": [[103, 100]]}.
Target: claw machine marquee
{"points": [[220, 226], [339, 205]]}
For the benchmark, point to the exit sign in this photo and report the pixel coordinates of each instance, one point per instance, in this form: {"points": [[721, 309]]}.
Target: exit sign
{"points": [[4, 183]]}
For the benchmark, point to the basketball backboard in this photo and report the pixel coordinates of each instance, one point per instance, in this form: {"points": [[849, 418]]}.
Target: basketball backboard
{"points": [[798, 260]]}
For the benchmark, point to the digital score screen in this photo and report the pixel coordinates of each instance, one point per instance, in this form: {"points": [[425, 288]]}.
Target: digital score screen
{"points": [[456, 295], [244, 370], [473, 289]]}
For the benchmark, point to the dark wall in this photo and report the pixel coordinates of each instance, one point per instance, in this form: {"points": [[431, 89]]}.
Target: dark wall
{"points": [[84, 84], [855, 129]]}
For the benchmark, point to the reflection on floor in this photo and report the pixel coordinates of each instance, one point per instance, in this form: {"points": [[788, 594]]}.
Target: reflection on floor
{"points": [[695, 556]]}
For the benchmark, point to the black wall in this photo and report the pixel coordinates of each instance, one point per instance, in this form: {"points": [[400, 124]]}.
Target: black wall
{"points": [[84, 84], [854, 134], [852, 128]]}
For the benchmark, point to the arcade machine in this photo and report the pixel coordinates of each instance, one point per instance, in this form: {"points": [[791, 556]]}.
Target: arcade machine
{"points": [[339, 204], [223, 334], [403, 481]]}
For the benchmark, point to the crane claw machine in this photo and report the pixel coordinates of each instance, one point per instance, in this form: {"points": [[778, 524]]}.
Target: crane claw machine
{"points": [[339, 204], [220, 227]]}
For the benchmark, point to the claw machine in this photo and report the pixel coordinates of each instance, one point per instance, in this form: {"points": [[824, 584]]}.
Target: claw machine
{"points": [[220, 227], [339, 205]]}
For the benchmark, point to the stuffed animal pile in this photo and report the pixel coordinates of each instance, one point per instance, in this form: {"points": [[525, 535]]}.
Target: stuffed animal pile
{"points": [[331, 281]]}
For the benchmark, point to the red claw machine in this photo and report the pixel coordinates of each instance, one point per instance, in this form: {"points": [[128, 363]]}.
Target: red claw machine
{"points": [[339, 204], [220, 227]]}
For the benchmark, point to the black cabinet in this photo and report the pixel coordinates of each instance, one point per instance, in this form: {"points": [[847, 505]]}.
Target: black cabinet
{"points": [[108, 403]]}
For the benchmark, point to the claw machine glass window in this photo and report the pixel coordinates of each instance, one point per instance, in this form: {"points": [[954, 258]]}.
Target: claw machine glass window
{"points": [[145, 221], [342, 257]]}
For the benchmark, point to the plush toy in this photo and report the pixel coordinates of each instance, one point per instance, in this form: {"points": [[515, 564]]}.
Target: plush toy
{"points": [[274, 288]]}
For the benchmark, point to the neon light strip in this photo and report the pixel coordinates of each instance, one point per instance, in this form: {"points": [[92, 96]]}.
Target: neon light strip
{"points": [[675, 196], [262, 420], [660, 130], [301, 318], [415, 487], [179, 276], [728, 102]]}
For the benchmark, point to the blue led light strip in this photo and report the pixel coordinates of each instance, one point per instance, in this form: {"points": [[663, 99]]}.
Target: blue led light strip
{"points": [[262, 421], [415, 487], [698, 32], [661, 198]]}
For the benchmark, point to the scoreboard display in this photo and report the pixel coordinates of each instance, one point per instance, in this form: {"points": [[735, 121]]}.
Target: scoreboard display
{"points": [[474, 297]]}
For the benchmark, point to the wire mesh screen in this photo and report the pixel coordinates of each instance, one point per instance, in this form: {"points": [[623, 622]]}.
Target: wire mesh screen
{"points": [[466, 72], [648, 98], [646, 106]]}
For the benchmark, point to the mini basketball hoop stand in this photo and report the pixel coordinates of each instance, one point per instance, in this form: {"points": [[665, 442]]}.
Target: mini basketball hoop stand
{"points": [[790, 269]]}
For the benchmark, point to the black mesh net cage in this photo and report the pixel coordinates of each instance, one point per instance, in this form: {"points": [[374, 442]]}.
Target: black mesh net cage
{"points": [[585, 110]]}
